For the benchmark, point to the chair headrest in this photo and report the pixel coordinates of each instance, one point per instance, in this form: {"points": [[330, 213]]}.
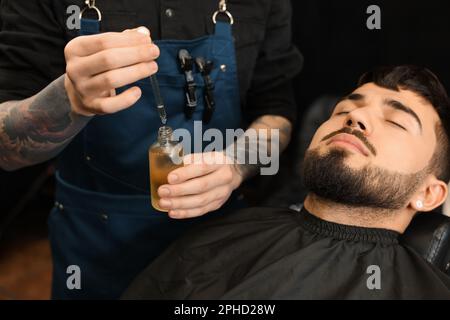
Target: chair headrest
{"points": [[429, 235]]}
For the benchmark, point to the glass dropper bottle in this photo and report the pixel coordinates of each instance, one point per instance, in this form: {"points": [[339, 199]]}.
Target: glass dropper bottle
{"points": [[165, 155]]}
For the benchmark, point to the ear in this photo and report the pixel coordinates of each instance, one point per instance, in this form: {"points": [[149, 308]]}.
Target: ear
{"points": [[432, 194]]}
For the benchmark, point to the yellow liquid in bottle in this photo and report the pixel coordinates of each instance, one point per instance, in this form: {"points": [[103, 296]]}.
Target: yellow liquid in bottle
{"points": [[161, 165]]}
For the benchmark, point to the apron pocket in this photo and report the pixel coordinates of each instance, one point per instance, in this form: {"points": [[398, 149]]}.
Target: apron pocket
{"points": [[110, 245]]}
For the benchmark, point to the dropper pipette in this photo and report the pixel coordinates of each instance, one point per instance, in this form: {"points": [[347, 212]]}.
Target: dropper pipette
{"points": [[155, 87], [158, 99]]}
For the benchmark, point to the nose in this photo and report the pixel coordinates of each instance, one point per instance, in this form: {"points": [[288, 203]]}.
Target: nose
{"points": [[358, 124], [356, 120]]}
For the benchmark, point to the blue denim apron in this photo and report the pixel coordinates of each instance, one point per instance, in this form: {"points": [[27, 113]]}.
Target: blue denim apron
{"points": [[111, 237]]}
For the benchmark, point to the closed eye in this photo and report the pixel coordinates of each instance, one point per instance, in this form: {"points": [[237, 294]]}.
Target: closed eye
{"points": [[341, 113], [396, 124]]}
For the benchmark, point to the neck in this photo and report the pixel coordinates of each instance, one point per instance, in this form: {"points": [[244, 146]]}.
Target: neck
{"points": [[396, 220]]}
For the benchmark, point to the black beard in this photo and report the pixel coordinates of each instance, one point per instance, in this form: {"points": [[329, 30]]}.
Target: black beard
{"points": [[328, 177]]}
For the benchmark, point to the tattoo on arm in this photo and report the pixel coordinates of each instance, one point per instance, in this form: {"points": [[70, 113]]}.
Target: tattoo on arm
{"points": [[267, 123], [275, 122], [38, 128]]}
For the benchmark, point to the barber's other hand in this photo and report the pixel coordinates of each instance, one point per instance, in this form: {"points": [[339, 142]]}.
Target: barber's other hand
{"points": [[203, 185], [99, 64]]}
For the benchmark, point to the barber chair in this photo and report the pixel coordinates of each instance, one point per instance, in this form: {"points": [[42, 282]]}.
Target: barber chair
{"points": [[429, 235]]}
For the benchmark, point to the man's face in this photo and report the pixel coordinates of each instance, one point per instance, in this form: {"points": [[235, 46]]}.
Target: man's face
{"points": [[376, 146]]}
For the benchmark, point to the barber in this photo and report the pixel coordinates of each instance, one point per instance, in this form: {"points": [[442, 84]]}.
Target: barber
{"points": [[87, 99]]}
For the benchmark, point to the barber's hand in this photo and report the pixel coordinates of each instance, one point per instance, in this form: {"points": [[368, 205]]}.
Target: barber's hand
{"points": [[204, 184], [99, 64]]}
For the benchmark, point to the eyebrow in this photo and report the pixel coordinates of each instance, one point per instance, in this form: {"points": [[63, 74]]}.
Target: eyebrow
{"points": [[400, 106], [388, 102], [352, 96]]}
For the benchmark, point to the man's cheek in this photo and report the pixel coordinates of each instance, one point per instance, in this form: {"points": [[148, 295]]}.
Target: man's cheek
{"points": [[390, 156]]}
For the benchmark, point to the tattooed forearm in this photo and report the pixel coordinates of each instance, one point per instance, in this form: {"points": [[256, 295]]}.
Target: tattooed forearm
{"points": [[275, 122], [268, 127], [38, 128]]}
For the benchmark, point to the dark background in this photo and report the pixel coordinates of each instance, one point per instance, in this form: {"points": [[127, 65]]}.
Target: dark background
{"points": [[337, 48]]}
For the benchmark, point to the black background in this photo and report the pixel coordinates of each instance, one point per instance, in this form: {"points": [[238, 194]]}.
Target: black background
{"points": [[338, 47]]}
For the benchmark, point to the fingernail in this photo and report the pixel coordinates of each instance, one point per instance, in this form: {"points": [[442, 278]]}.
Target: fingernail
{"points": [[165, 203], [153, 66], [173, 178], [155, 51], [137, 93], [164, 192], [144, 31], [174, 214]]}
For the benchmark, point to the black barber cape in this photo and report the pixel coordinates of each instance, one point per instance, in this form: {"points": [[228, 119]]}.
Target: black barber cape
{"points": [[266, 253]]}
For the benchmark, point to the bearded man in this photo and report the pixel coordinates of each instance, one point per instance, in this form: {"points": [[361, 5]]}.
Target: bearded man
{"points": [[381, 158]]}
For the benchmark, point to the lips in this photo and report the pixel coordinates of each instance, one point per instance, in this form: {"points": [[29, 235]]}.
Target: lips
{"points": [[349, 140]]}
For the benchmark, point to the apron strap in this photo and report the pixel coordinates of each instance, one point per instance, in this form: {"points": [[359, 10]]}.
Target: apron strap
{"points": [[90, 26], [223, 10], [223, 30]]}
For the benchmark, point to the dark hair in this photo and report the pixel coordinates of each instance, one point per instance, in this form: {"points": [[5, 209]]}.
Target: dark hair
{"points": [[427, 85]]}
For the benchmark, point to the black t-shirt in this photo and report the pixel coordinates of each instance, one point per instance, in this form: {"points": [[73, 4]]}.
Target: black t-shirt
{"points": [[34, 33], [267, 253]]}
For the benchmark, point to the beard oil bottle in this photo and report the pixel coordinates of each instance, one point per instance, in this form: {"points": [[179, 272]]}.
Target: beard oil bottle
{"points": [[165, 155]]}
